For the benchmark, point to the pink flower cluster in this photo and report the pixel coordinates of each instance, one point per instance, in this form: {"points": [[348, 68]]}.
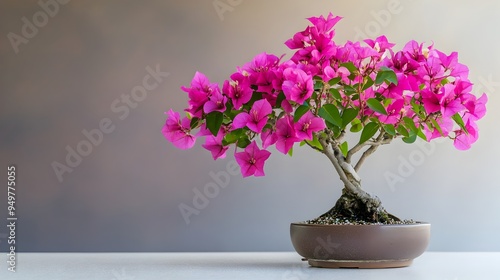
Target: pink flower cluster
{"points": [[418, 91]]}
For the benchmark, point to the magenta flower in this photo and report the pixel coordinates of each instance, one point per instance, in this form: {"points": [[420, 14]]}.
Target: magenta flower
{"points": [[299, 40], [252, 160], [450, 104], [308, 124], [238, 89], [431, 70], [380, 44], [419, 88], [448, 62], [256, 119], [268, 137], [405, 84], [462, 87], [430, 101], [298, 86], [355, 53], [321, 28], [203, 131], [178, 131], [325, 25], [259, 68], [286, 135], [446, 125], [393, 112], [214, 145], [328, 72], [476, 107], [199, 93], [216, 102], [461, 71], [414, 52], [463, 140]]}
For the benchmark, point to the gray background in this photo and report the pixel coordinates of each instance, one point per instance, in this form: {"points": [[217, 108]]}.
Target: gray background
{"points": [[125, 195]]}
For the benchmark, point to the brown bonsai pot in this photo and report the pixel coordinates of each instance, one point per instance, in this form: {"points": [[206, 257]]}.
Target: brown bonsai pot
{"points": [[360, 246]]}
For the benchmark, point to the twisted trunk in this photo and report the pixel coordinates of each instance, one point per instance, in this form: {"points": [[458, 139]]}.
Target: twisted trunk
{"points": [[355, 204]]}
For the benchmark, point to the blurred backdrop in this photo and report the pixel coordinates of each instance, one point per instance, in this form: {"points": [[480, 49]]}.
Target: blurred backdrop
{"points": [[96, 174]]}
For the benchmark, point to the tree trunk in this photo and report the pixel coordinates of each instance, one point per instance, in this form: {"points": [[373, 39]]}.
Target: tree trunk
{"points": [[355, 205], [355, 208]]}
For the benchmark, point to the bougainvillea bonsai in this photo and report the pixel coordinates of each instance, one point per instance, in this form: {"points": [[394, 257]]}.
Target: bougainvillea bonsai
{"points": [[323, 92]]}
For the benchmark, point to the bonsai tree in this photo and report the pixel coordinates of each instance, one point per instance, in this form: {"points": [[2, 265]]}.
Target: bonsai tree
{"points": [[324, 92]]}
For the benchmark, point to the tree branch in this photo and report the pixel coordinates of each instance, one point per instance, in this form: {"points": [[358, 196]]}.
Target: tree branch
{"points": [[351, 183], [363, 157], [343, 168], [381, 140], [330, 154], [354, 150]]}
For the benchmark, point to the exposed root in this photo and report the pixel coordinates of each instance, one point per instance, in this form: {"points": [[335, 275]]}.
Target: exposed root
{"points": [[366, 209]]}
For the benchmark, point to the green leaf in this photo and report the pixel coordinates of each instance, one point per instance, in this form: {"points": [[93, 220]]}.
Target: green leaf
{"points": [[350, 66], [336, 131], [368, 83], [437, 126], [290, 152], [230, 138], [411, 138], [233, 136], [299, 112], [318, 85], [402, 130], [315, 143], [214, 122], [413, 129], [280, 98], [344, 148], [368, 131], [348, 90], [243, 142], [416, 107], [194, 122], [376, 106], [389, 128], [356, 125], [386, 102], [458, 120], [421, 134], [336, 94], [334, 81], [410, 124], [330, 113], [386, 75], [231, 114], [330, 125], [392, 78], [348, 115]]}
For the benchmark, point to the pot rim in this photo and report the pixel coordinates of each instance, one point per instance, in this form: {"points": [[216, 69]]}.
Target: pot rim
{"points": [[416, 224]]}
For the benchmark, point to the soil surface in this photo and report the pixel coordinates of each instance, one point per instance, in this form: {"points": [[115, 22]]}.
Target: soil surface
{"points": [[329, 220]]}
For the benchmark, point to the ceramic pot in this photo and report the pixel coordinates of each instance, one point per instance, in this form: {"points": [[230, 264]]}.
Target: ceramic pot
{"points": [[360, 246]]}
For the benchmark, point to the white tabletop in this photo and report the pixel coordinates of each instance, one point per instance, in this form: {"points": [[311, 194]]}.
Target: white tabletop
{"points": [[280, 266]]}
